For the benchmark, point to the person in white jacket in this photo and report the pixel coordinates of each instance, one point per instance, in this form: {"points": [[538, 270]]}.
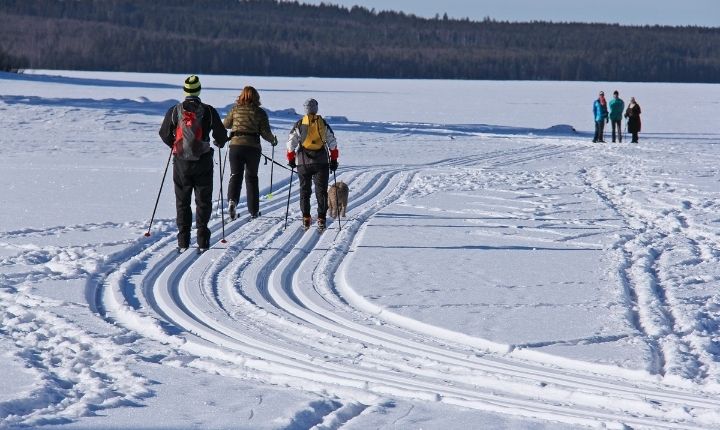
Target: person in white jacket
{"points": [[313, 150]]}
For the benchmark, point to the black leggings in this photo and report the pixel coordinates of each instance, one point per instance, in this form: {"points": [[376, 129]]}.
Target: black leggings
{"points": [[245, 158]]}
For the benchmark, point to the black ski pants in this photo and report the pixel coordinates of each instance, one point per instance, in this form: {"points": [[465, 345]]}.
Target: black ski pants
{"points": [[599, 131], [245, 159], [616, 124], [320, 175], [189, 177]]}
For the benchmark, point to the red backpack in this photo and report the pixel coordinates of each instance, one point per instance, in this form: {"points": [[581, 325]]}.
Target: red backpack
{"points": [[189, 132]]}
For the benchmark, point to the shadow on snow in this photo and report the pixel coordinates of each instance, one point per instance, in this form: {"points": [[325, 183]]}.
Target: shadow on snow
{"points": [[289, 116]]}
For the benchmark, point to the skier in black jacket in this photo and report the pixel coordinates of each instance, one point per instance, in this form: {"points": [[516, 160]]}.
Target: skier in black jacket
{"points": [[186, 129]]}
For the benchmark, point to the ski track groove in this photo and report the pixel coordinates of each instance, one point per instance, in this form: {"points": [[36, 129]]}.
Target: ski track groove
{"points": [[168, 284], [386, 377], [674, 352]]}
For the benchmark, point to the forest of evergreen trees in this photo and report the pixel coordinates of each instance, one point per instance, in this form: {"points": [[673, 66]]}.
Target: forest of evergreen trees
{"points": [[10, 63], [268, 37]]}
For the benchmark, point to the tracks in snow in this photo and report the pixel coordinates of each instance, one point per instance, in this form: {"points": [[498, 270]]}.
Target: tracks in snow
{"points": [[274, 306], [662, 239]]}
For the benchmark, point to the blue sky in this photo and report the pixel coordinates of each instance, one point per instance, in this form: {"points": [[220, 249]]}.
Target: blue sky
{"points": [[633, 12]]}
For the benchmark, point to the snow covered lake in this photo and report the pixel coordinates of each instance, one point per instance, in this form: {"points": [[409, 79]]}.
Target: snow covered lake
{"points": [[496, 269]]}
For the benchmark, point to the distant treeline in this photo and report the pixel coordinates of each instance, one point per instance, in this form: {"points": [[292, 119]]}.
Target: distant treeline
{"points": [[268, 37], [10, 63]]}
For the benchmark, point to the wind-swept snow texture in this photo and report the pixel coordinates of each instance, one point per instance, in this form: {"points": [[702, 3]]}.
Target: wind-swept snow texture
{"points": [[495, 269]]}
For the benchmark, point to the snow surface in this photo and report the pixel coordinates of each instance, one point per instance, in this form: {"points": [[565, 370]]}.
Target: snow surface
{"points": [[495, 270]]}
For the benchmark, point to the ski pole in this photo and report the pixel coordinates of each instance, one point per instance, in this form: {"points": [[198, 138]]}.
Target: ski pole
{"points": [[147, 234], [338, 212], [287, 210], [222, 205], [223, 165], [272, 164], [327, 151]]}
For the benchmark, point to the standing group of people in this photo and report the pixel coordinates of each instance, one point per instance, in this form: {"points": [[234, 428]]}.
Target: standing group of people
{"points": [[311, 149], [605, 112]]}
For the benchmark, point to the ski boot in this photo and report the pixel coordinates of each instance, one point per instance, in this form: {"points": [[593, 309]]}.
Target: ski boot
{"points": [[232, 209], [306, 222]]}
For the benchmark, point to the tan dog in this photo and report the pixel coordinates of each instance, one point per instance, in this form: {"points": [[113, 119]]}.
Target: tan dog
{"points": [[338, 199]]}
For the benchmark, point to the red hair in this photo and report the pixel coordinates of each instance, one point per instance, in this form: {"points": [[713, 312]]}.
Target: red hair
{"points": [[249, 96]]}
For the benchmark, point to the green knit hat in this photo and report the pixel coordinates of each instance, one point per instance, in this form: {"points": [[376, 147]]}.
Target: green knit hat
{"points": [[192, 86]]}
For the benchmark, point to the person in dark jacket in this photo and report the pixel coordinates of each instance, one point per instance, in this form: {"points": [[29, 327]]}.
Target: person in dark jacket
{"points": [[616, 107], [633, 119], [312, 148], [186, 129], [248, 122], [600, 113]]}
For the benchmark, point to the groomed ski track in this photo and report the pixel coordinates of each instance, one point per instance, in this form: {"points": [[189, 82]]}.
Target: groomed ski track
{"points": [[275, 305]]}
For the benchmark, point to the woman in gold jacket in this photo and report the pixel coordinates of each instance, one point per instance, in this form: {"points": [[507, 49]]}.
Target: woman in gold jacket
{"points": [[248, 122]]}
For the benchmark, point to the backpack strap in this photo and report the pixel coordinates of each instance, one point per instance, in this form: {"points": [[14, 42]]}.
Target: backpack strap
{"points": [[327, 125], [208, 110], [297, 125], [177, 118], [320, 132], [178, 113]]}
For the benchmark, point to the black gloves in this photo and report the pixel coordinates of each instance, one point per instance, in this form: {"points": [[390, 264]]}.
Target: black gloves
{"points": [[219, 145], [333, 165], [274, 141], [292, 163]]}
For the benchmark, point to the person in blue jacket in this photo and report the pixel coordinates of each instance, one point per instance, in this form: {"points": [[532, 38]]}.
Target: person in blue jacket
{"points": [[616, 107], [601, 117]]}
